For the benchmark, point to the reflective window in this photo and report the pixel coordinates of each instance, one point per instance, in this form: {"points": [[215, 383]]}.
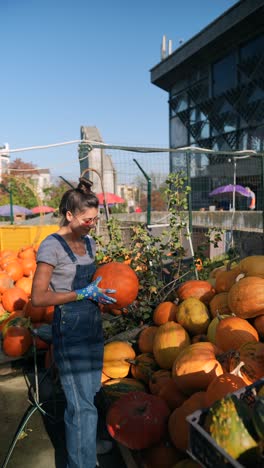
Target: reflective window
{"points": [[253, 47], [224, 75]]}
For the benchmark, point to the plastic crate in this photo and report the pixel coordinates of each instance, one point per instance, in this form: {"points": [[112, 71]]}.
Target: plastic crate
{"points": [[203, 448]]}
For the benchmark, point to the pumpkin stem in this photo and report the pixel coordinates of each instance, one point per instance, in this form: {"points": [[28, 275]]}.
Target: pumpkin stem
{"points": [[236, 370], [228, 266]]}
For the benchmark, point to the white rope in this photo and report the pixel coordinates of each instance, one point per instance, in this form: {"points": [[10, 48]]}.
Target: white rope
{"points": [[137, 149]]}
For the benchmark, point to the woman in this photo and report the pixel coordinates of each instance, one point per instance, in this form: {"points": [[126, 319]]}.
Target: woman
{"points": [[65, 267]]}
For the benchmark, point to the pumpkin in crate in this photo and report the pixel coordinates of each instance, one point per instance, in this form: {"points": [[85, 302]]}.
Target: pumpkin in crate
{"points": [[169, 340], [121, 277], [138, 420], [14, 270], [200, 289], [246, 297], [25, 283], [117, 355], [232, 332], [226, 279], [14, 299]]}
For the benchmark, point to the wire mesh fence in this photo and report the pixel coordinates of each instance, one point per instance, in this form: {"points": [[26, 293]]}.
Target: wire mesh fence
{"points": [[227, 189]]}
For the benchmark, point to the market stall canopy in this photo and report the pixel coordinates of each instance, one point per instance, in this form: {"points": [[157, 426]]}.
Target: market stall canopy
{"points": [[17, 210], [110, 198], [42, 209], [230, 189]]}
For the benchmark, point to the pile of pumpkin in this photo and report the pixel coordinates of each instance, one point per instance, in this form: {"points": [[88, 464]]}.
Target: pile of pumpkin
{"points": [[17, 314], [196, 352]]}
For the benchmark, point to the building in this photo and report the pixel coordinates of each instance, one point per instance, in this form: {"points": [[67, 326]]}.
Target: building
{"points": [[4, 160], [215, 83], [100, 164]]}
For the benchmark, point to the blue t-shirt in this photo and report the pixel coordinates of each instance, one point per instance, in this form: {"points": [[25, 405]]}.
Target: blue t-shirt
{"points": [[51, 251]]}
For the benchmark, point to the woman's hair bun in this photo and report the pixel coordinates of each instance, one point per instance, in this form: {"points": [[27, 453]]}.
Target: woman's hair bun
{"points": [[85, 185]]}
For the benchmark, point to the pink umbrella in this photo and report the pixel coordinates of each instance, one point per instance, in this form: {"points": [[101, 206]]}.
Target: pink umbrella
{"points": [[110, 198], [42, 209]]}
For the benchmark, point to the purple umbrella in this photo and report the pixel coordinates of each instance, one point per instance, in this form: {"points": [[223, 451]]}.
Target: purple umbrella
{"points": [[5, 210], [229, 189]]}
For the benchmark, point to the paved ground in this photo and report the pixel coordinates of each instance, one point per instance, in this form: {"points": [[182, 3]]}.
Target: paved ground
{"points": [[43, 443]]}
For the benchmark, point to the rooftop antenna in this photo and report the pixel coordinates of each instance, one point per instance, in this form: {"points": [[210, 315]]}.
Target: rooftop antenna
{"points": [[170, 47], [163, 48]]}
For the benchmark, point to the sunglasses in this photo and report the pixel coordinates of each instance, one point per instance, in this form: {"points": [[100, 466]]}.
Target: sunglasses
{"points": [[87, 221]]}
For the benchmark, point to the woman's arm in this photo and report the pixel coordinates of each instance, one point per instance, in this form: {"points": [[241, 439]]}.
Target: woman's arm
{"points": [[41, 295]]}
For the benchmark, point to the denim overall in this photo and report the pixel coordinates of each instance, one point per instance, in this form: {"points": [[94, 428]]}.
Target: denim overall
{"points": [[78, 352]]}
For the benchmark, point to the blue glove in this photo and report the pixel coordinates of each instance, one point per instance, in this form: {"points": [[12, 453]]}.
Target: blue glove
{"points": [[95, 294]]}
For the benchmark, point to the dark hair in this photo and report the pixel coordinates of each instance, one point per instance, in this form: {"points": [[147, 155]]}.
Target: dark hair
{"points": [[78, 199]]}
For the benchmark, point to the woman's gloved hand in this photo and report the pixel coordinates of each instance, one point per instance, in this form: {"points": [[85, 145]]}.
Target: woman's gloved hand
{"points": [[96, 294]]}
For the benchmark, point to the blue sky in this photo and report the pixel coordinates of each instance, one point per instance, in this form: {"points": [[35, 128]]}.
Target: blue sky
{"points": [[67, 63]]}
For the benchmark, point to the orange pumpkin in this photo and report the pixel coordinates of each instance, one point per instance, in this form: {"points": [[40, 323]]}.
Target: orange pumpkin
{"points": [[17, 341], [232, 332], [116, 356], [146, 338], [219, 304], [123, 279], [226, 279], [178, 426], [246, 297], [28, 265], [14, 270], [222, 385], [168, 342], [25, 283], [164, 312], [163, 455], [158, 379], [195, 367], [6, 281], [258, 323], [252, 356], [27, 252], [36, 314], [171, 394], [143, 367], [14, 299], [48, 314], [200, 289]]}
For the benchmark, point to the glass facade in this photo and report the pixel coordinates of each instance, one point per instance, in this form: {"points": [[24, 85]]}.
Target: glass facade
{"points": [[221, 107]]}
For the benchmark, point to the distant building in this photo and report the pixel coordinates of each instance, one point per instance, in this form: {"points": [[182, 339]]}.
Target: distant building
{"points": [[4, 160], [216, 100], [130, 193], [97, 159]]}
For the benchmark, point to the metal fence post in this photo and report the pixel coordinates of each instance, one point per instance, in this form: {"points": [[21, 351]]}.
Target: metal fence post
{"points": [[148, 192]]}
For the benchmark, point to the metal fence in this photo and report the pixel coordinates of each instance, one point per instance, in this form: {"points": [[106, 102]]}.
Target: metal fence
{"points": [[138, 175]]}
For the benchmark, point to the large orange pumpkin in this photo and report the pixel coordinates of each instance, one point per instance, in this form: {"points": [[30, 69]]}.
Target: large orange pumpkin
{"points": [[226, 279], [232, 332], [158, 379], [168, 342], [195, 367], [246, 297], [6, 281], [36, 314], [200, 289], [222, 385], [123, 279], [178, 426], [14, 299], [14, 270], [25, 283]]}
